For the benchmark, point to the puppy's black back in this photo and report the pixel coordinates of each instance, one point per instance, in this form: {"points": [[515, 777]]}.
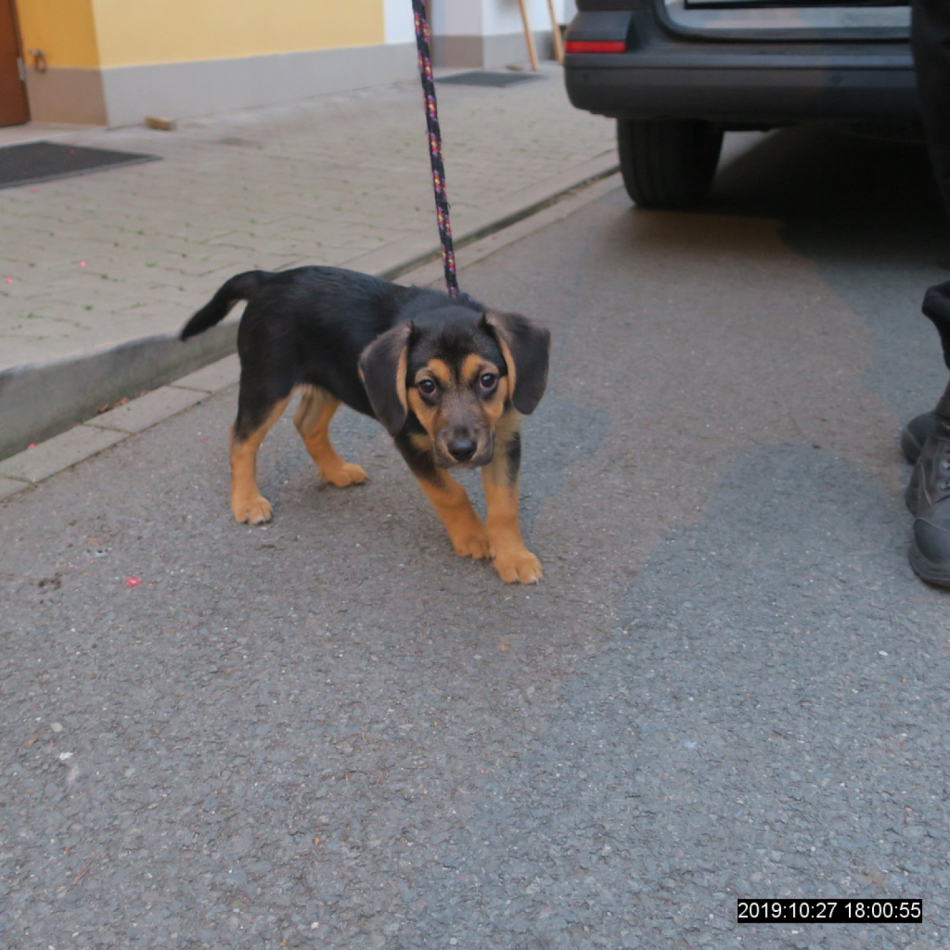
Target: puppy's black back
{"points": [[310, 324]]}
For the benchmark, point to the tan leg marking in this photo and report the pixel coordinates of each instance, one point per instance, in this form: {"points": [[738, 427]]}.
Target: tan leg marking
{"points": [[513, 561], [247, 502], [451, 504], [312, 420]]}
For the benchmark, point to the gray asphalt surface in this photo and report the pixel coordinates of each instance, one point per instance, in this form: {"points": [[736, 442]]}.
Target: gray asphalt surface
{"points": [[331, 732]]}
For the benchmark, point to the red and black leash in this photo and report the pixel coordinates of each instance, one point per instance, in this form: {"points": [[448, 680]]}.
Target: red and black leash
{"points": [[435, 146]]}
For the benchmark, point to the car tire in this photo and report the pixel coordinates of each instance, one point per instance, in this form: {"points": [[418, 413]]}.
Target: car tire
{"points": [[668, 164]]}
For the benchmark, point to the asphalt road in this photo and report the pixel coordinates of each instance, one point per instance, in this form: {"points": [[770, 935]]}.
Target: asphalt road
{"points": [[331, 732]]}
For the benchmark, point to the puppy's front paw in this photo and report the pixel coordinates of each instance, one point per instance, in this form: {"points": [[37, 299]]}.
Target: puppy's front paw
{"points": [[347, 474], [474, 544], [253, 510], [518, 565]]}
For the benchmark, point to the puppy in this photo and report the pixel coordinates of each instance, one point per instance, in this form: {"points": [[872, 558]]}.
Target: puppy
{"points": [[448, 379]]}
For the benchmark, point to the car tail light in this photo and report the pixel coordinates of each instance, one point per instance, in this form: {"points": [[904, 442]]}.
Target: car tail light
{"points": [[595, 46]]}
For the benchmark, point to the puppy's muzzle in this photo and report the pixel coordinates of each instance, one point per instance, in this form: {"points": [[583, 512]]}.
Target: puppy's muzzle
{"points": [[463, 447]]}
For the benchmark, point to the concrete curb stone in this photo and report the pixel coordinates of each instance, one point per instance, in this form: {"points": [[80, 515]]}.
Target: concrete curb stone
{"points": [[10, 486], [83, 441], [142, 413], [59, 453], [42, 400], [213, 378]]}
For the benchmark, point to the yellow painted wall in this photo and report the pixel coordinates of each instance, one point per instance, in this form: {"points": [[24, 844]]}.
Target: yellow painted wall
{"points": [[105, 33], [63, 29], [142, 32]]}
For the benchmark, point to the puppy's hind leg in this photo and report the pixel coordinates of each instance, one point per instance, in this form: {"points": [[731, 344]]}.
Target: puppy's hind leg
{"points": [[247, 502], [312, 420]]}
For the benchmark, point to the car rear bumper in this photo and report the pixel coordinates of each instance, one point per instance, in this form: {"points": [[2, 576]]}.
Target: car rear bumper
{"points": [[737, 84], [744, 94]]}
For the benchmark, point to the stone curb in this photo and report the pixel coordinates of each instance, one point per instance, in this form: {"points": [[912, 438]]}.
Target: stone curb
{"points": [[41, 400], [98, 432], [83, 441]]}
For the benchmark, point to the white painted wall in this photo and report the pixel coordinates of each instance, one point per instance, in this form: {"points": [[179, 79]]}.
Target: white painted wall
{"points": [[452, 18], [492, 17], [472, 17], [503, 16], [398, 21]]}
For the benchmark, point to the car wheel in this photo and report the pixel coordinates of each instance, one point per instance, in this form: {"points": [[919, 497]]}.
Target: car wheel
{"points": [[668, 163]]}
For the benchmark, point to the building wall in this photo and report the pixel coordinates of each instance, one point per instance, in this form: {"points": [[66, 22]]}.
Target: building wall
{"points": [[114, 62], [70, 90], [63, 29], [149, 32], [489, 33], [398, 21]]}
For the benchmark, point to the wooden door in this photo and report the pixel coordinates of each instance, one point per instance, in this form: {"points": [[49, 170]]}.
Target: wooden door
{"points": [[13, 105]]}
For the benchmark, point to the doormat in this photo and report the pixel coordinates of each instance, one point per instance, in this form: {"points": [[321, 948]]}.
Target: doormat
{"points": [[496, 80], [46, 161]]}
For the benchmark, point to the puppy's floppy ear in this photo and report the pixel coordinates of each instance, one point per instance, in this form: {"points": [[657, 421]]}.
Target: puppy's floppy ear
{"points": [[525, 346], [383, 372]]}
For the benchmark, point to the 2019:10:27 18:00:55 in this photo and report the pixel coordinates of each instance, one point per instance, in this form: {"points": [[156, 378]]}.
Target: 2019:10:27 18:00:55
{"points": [[815, 910]]}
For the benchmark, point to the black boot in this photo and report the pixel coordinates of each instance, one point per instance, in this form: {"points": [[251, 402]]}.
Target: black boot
{"points": [[928, 436], [928, 497], [915, 434]]}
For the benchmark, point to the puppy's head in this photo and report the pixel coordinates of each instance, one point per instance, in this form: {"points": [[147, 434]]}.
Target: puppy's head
{"points": [[457, 372]]}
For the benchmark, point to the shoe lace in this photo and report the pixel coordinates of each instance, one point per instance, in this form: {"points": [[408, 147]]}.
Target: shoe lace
{"points": [[942, 469]]}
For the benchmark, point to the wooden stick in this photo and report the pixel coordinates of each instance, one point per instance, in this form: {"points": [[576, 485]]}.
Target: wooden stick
{"points": [[556, 35], [528, 38]]}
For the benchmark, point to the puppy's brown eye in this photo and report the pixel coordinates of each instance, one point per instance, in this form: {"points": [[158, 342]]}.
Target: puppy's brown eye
{"points": [[487, 382], [426, 387]]}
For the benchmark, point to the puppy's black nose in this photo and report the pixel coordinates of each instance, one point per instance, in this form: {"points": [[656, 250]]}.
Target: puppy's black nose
{"points": [[461, 449]]}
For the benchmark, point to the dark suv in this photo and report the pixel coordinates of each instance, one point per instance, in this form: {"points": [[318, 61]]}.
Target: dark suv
{"points": [[676, 74]]}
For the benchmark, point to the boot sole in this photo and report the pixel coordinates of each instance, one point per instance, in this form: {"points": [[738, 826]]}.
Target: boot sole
{"points": [[927, 570]]}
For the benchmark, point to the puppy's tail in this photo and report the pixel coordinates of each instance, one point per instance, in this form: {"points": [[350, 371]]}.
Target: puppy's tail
{"points": [[241, 287]]}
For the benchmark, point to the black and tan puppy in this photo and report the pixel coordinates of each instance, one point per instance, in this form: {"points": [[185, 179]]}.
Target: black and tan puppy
{"points": [[448, 379]]}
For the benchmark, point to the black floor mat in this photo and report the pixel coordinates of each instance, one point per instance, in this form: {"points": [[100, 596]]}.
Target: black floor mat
{"points": [[497, 80], [44, 161]]}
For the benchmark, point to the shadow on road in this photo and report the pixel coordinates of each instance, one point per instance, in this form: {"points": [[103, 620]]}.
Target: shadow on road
{"points": [[819, 180], [867, 213]]}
